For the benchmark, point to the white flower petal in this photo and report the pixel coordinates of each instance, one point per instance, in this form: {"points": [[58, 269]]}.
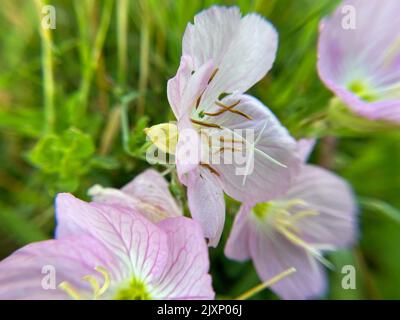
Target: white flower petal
{"points": [[243, 49], [272, 163]]}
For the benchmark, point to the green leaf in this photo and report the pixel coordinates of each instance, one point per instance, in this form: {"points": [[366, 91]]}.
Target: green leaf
{"points": [[66, 156]]}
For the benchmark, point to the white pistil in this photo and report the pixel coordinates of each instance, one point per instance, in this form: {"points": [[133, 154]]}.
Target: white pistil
{"points": [[254, 149]]}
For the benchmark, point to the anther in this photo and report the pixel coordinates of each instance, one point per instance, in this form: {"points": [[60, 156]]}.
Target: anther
{"points": [[213, 75], [206, 124], [212, 170], [229, 108]]}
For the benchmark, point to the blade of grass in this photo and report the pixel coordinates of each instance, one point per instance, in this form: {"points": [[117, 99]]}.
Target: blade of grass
{"points": [[122, 35], [92, 64], [47, 71], [144, 57]]}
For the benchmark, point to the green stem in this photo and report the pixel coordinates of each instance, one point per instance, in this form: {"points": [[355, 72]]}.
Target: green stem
{"points": [[47, 71], [92, 64], [122, 35], [144, 57]]}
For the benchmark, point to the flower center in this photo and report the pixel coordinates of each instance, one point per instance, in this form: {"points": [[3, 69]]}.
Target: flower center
{"points": [[135, 290], [363, 90], [283, 216]]}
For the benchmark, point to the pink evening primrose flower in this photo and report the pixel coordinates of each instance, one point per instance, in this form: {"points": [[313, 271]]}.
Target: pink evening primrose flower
{"points": [[107, 251], [224, 54], [148, 194], [359, 57], [317, 214]]}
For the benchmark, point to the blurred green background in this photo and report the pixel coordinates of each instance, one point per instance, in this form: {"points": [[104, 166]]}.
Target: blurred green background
{"points": [[74, 102]]}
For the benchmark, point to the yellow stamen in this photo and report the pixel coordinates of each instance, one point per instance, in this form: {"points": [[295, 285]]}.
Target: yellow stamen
{"points": [[391, 52], [70, 290], [94, 284], [107, 280], [97, 290], [266, 284]]}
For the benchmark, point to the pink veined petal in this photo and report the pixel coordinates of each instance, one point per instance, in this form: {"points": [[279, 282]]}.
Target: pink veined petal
{"points": [[23, 274], [186, 274], [139, 244], [237, 246], [187, 149], [187, 155], [305, 147], [369, 52], [243, 49], [273, 254], [206, 203], [151, 187], [177, 85], [270, 165], [333, 199], [148, 194], [184, 89]]}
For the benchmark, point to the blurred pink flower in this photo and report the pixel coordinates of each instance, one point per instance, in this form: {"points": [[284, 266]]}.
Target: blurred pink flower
{"points": [[148, 194], [359, 60], [107, 251], [224, 55], [317, 214]]}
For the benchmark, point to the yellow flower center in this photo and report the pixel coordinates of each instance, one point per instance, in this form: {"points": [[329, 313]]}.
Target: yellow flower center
{"points": [[135, 290]]}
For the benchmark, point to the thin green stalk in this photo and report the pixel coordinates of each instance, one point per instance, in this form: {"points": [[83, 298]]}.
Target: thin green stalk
{"points": [[82, 9], [48, 73], [92, 64], [122, 36], [144, 57]]}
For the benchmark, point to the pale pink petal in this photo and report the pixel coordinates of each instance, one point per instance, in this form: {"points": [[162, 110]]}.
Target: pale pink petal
{"points": [[237, 246], [138, 244], [23, 274], [273, 254], [186, 87], [260, 177], [206, 203], [333, 199], [243, 49], [187, 155], [305, 148], [148, 193], [177, 85], [186, 273]]}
